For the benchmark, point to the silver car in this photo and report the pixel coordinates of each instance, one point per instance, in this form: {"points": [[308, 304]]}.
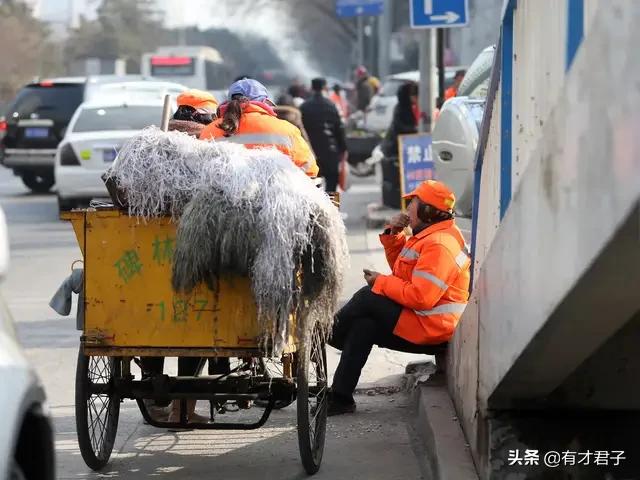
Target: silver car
{"points": [[26, 436]]}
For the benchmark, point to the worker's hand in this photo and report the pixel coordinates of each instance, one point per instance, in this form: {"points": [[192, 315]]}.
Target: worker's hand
{"points": [[399, 222], [370, 276]]}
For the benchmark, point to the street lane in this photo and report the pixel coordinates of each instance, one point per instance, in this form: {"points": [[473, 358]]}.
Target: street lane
{"points": [[373, 444]]}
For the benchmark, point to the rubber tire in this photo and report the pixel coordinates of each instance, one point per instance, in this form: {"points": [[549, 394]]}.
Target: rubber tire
{"points": [[94, 461], [311, 455], [38, 183]]}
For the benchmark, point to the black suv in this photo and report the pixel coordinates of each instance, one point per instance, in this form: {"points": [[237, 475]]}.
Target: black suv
{"points": [[35, 123]]}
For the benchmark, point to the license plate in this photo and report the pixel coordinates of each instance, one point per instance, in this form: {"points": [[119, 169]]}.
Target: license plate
{"points": [[109, 155], [36, 132]]}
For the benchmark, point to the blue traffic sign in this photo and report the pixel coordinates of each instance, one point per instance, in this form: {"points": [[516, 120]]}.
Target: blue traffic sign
{"points": [[439, 13], [416, 161], [355, 8]]}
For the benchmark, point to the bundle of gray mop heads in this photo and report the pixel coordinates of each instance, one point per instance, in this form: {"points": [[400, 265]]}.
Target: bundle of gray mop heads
{"points": [[242, 211]]}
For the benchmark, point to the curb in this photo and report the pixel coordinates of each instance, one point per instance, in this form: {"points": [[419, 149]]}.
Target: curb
{"points": [[446, 453]]}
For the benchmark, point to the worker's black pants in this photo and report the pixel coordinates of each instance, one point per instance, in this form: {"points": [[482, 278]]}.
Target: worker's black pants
{"points": [[330, 182], [366, 320]]}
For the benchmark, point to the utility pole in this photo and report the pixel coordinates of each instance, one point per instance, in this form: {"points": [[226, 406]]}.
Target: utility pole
{"points": [[385, 22], [424, 98], [360, 40], [440, 62]]}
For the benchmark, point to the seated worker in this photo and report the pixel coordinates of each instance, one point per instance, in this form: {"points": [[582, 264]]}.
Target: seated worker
{"points": [[196, 109], [248, 118], [420, 303]]}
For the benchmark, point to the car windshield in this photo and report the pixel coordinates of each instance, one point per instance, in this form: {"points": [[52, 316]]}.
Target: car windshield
{"points": [[117, 118], [51, 101]]}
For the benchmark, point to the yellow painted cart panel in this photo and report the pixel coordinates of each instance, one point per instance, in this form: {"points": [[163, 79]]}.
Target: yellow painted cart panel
{"points": [[128, 295]]}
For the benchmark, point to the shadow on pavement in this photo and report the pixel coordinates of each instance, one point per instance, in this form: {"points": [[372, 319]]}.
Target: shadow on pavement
{"points": [[365, 445]]}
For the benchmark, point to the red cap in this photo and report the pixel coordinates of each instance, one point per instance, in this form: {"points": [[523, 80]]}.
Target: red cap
{"points": [[434, 193], [361, 71]]}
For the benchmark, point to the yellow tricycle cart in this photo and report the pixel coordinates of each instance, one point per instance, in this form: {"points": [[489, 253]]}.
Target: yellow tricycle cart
{"points": [[132, 312]]}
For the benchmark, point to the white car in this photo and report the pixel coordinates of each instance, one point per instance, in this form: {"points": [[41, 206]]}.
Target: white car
{"points": [[96, 133], [26, 436]]}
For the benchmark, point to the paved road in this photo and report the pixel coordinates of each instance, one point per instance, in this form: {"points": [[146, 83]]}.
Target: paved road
{"points": [[373, 444]]}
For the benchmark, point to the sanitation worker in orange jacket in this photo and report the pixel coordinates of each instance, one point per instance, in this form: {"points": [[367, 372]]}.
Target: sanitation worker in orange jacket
{"points": [[415, 307], [248, 118]]}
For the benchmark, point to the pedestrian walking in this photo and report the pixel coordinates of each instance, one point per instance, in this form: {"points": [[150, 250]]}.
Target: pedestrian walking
{"points": [[452, 91], [326, 132], [339, 101], [364, 88], [405, 118]]}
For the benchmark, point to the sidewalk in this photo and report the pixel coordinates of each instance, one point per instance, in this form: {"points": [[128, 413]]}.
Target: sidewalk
{"points": [[438, 438]]}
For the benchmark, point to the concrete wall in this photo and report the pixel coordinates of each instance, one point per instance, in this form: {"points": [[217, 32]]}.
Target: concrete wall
{"points": [[581, 185], [489, 209], [576, 182], [539, 47]]}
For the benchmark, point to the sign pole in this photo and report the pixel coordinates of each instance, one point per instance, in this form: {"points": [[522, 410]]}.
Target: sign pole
{"points": [[424, 98], [384, 39], [360, 40], [440, 61]]}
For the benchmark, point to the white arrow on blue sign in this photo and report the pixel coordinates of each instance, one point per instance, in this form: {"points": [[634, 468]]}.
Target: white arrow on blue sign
{"points": [[439, 13]]}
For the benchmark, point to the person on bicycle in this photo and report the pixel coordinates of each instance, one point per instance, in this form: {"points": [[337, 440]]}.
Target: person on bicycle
{"points": [[248, 118]]}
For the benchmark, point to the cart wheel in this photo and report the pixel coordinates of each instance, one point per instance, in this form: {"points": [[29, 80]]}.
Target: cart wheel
{"points": [[312, 401], [97, 408]]}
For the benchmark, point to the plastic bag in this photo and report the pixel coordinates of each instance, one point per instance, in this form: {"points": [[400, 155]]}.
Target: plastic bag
{"points": [[344, 179]]}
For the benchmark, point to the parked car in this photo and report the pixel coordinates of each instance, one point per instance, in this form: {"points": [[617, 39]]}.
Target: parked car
{"points": [[96, 132], [37, 119], [26, 436], [457, 130], [35, 123]]}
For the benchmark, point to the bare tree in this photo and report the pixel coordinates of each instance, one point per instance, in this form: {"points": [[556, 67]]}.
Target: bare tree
{"points": [[28, 52], [122, 29]]}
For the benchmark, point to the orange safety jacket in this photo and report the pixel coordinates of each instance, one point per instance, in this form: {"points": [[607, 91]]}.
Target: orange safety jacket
{"points": [[340, 103], [259, 127], [430, 280]]}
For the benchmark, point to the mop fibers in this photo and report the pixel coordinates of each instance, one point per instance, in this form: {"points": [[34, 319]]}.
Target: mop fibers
{"points": [[246, 211]]}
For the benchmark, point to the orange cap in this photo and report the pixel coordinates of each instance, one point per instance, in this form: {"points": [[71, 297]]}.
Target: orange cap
{"points": [[434, 193], [198, 99]]}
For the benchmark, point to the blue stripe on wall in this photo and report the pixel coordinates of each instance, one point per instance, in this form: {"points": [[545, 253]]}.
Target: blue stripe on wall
{"points": [[506, 111], [575, 28]]}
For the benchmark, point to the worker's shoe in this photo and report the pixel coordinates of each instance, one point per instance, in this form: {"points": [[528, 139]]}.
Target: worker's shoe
{"points": [[339, 405]]}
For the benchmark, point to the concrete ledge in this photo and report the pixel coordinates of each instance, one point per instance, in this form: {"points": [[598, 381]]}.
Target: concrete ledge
{"points": [[436, 426]]}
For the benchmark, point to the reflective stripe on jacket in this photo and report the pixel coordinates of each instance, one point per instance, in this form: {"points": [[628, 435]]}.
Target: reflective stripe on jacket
{"points": [[430, 280], [259, 128]]}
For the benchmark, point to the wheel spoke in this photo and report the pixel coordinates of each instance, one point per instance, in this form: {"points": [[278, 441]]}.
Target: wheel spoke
{"points": [[99, 405]]}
